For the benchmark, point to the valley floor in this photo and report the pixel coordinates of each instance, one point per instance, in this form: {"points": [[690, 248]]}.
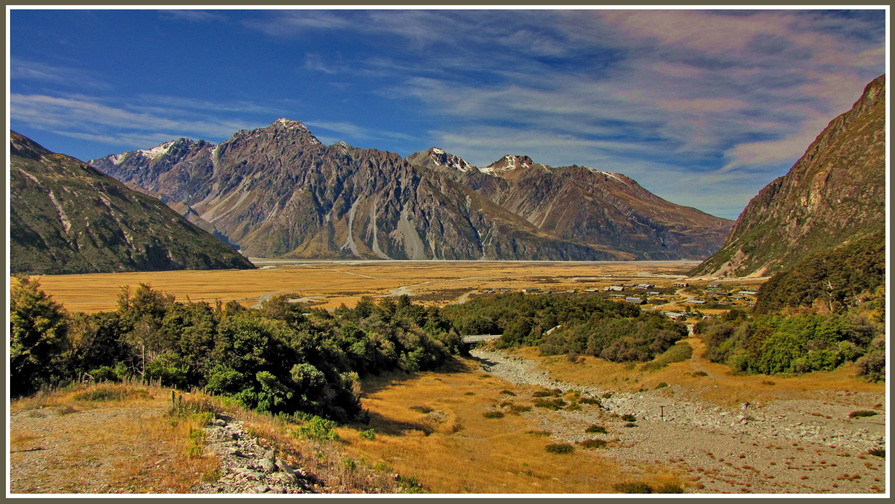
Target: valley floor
{"points": [[806, 444]]}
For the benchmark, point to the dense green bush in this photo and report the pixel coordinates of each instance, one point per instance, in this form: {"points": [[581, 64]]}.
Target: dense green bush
{"points": [[38, 328], [796, 343], [568, 324], [281, 358]]}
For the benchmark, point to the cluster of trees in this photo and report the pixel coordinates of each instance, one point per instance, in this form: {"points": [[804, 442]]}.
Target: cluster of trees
{"points": [[568, 324], [795, 343], [282, 357], [826, 310], [847, 277]]}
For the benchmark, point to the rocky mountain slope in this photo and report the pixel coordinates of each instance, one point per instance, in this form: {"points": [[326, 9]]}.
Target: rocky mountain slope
{"points": [[579, 204], [833, 195], [279, 192], [67, 217]]}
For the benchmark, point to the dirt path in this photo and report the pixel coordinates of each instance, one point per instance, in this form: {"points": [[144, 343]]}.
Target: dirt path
{"points": [[782, 446]]}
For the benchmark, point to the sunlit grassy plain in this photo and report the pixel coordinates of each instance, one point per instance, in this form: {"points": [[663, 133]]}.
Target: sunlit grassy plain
{"points": [[333, 283]]}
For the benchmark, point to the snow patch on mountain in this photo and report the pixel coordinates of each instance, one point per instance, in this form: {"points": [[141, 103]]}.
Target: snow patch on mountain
{"points": [[157, 152]]}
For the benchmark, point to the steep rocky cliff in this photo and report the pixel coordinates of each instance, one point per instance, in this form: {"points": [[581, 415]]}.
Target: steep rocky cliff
{"points": [[833, 195]]}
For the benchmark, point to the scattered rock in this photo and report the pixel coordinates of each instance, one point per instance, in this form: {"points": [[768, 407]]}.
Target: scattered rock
{"points": [[246, 466]]}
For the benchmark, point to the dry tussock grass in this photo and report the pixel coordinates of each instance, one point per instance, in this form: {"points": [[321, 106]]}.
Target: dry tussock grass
{"points": [[123, 442], [719, 386], [455, 449], [335, 283]]}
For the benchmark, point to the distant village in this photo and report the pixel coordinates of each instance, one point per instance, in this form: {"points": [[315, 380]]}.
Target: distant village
{"points": [[678, 300]]}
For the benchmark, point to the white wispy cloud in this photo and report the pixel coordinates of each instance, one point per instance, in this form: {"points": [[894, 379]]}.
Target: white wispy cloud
{"points": [[700, 106], [28, 70], [117, 124]]}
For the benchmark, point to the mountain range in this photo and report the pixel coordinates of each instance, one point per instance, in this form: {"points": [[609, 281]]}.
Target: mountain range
{"points": [[279, 192], [834, 195], [67, 217]]}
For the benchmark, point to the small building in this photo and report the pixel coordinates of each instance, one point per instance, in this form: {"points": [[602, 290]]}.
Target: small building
{"points": [[616, 288], [653, 293], [747, 293], [529, 290], [714, 285], [697, 301], [681, 284], [634, 300]]}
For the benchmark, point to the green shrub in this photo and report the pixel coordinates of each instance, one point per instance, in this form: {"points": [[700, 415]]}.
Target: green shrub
{"points": [[409, 484], [560, 448], [590, 400], [862, 413], [630, 425], [422, 409], [670, 488], [598, 429], [369, 434], [634, 487], [551, 404], [493, 414], [318, 429], [629, 418], [516, 409], [661, 385], [542, 433]]}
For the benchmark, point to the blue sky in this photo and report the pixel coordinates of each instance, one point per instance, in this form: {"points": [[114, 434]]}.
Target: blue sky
{"points": [[702, 107]]}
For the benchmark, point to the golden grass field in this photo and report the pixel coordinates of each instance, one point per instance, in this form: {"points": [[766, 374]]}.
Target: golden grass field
{"points": [[432, 426], [332, 283]]}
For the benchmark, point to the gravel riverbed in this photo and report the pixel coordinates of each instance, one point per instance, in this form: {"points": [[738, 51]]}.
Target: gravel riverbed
{"points": [[783, 446]]}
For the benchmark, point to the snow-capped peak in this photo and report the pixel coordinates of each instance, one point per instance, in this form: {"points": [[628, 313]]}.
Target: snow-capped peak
{"points": [[442, 158], [507, 163], [156, 152]]}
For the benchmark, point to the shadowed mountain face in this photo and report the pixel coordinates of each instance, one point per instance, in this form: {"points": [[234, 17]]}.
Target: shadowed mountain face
{"points": [[67, 217], [278, 192], [835, 194]]}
